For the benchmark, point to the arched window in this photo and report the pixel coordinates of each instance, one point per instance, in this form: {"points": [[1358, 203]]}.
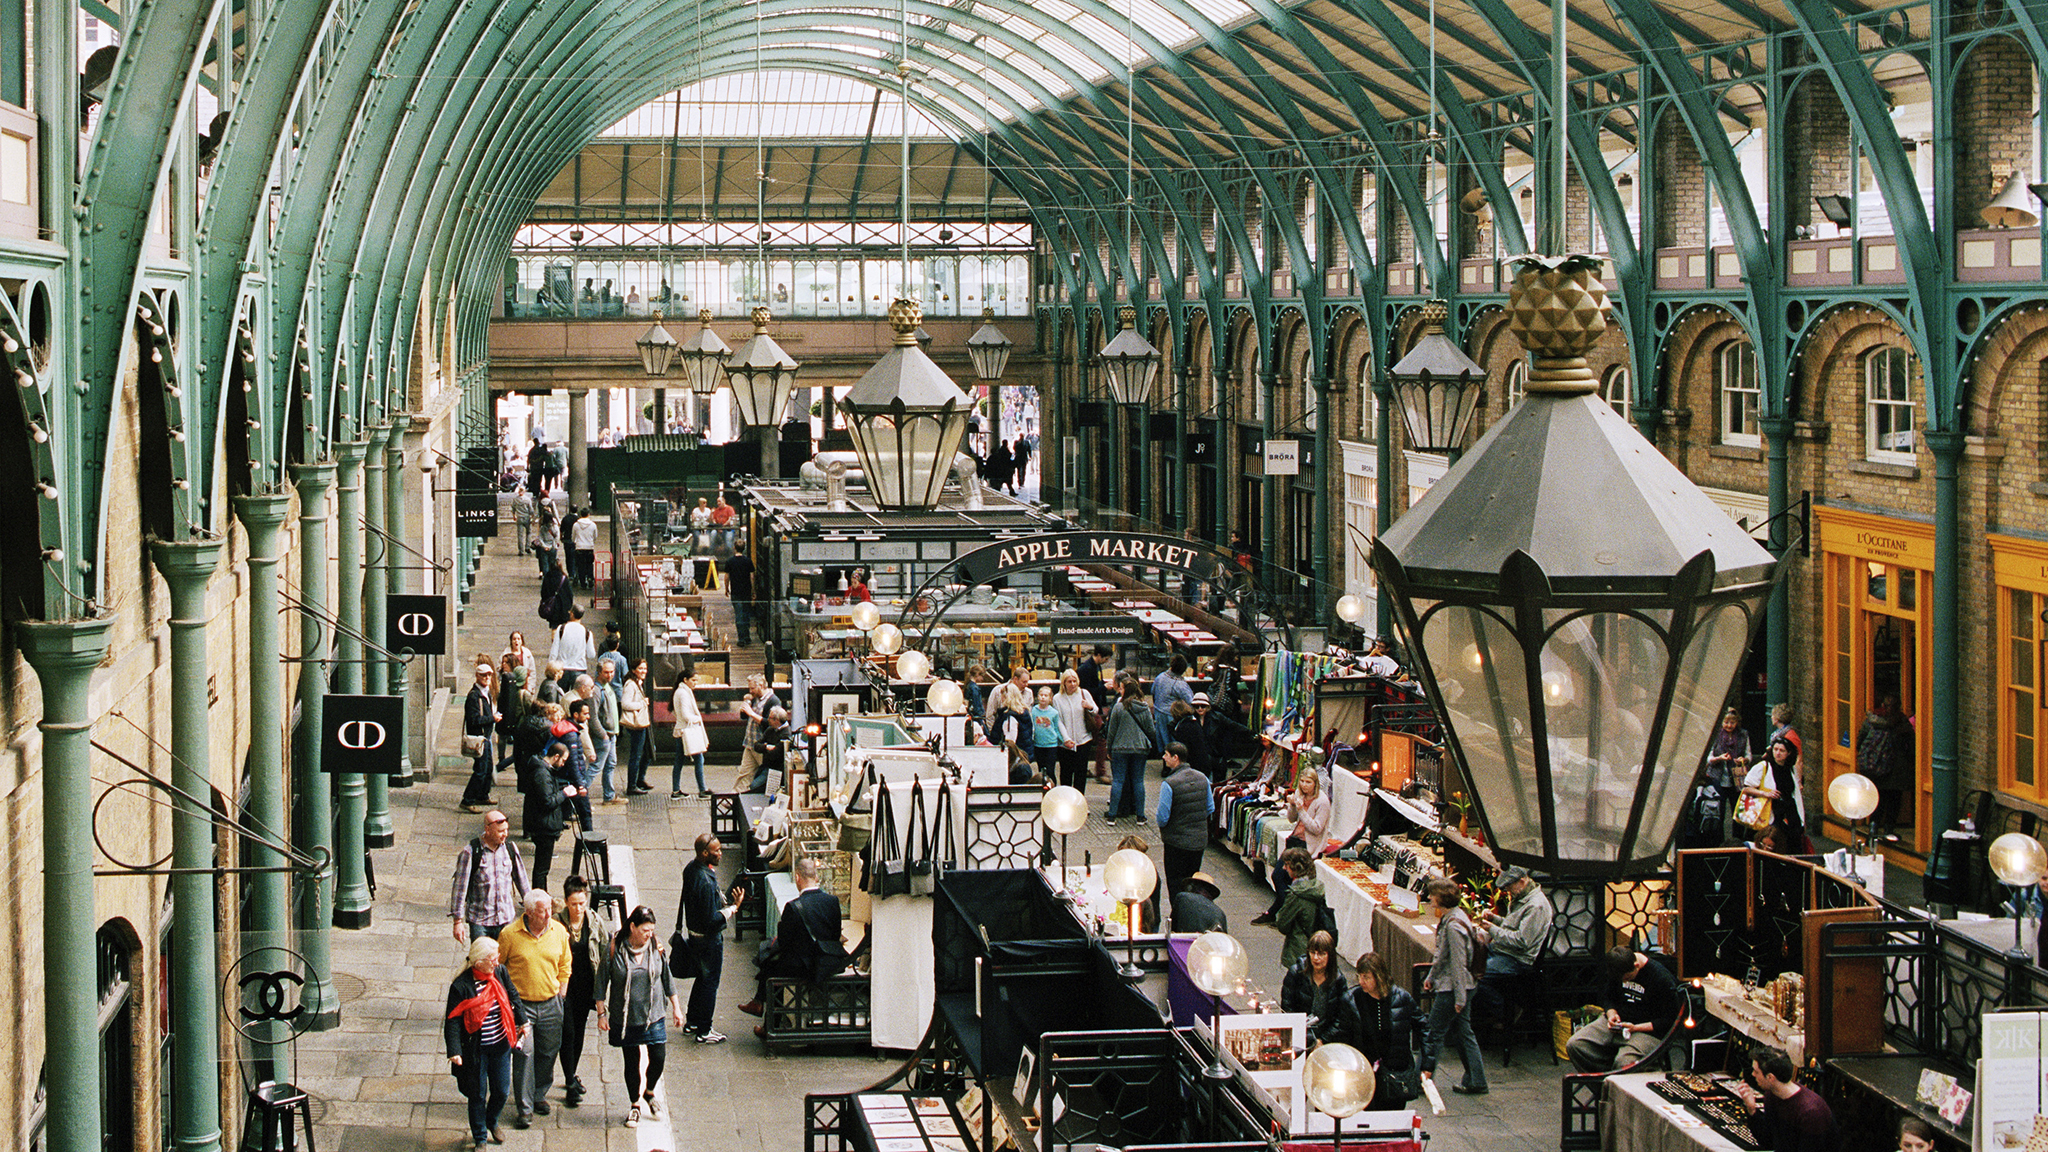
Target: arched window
{"points": [[1614, 388], [115, 952], [1739, 392], [1366, 400], [1888, 415], [1518, 381]]}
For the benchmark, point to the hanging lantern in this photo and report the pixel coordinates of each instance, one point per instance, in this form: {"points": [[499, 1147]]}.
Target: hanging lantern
{"points": [[1576, 607], [1129, 361], [906, 417], [704, 357], [989, 348], [1438, 386], [762, 376], [657, 348]]}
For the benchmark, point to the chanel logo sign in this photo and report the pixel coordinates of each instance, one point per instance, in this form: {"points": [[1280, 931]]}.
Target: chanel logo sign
{"points": [[362, 734], [417, 624], [266, 986], [271, 992]]}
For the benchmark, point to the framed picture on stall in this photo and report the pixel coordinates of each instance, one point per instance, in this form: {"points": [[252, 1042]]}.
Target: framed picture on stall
{"points": [[1271, 1046]]}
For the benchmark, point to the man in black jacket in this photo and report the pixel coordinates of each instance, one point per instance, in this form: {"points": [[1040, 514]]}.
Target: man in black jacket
{"points": [[806, 944], [704, 918]]}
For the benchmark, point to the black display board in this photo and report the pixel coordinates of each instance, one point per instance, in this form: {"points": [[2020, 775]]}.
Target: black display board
{"points": [[415, 623], [363, 734]]}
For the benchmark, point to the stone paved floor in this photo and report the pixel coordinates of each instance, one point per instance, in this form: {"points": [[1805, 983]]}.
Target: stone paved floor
{"points": [[383, 1083]]}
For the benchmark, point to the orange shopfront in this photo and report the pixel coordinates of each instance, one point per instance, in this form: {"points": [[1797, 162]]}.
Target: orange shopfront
{"points": [[1877, 638], [2020, 568]]}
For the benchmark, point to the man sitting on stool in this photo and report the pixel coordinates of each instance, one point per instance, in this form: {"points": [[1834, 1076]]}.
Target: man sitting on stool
{"points": [[806, 943], [1642, 1004]]}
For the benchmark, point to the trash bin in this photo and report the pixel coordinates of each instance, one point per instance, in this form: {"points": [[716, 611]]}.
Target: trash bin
{"points": [[1948, 879]]}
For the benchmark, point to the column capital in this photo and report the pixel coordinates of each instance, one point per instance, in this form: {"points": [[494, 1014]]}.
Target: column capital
{"points": [[312, 480], [350, 453], [63, 645], [264, 513], [187, 560]]}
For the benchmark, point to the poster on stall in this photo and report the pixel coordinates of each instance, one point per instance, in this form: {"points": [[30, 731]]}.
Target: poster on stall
{"points": [[2011, 1091], [1270, 1045]]}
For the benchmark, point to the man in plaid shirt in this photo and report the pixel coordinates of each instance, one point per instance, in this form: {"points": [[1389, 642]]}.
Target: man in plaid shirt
{"points": [[489, 886]]}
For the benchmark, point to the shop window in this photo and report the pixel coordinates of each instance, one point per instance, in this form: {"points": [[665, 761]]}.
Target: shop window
{"points": [[1739, 393], [1888, 416], [2021, 667], [117, 1038], [1518, 382], [1614, 388]]}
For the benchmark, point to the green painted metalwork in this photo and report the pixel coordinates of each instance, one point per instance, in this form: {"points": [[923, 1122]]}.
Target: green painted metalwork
{"points": [[64, 654], [377, 553], [351, 812], [312, 798], [188, 567], [268, 925]]}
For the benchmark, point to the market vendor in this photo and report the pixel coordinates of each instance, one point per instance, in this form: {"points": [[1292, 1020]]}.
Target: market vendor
{"points": [[1642, 1004], [1514, 934]]}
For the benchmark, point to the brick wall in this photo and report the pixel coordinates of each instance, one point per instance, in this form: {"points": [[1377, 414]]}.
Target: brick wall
{"points": [[1680, 211], [1818, 149], [1994, 106]]}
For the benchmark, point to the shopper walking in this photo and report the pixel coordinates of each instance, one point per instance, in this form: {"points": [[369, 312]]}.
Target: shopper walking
{"points": [[524, 505], [1048, 736], [549, 785], [636, 720], [739, 588], [479, 720], [704, 916], [1167, 687], [636, 1000], [557, 597], [513, 703], [573, 648], [691, 739], [480, 1027], [1079, 718], [584, 540], [588, 948], [535, 952], [1185, 805], [1129, 735], [489, 882], [1450, 977], [547, 540]]}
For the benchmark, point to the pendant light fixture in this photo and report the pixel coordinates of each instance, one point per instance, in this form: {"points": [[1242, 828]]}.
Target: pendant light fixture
{"points": [[906, 416], [657, 347], [705, 355], [761, 373], [988, 348], [1129, 361]]}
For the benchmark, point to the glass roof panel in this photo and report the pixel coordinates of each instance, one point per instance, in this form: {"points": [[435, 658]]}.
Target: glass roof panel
{"points": [[800, 105]]}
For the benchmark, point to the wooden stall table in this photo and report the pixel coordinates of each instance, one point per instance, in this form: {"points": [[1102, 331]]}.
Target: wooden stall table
{"points": [[1404, 940], [1639, 1120]]}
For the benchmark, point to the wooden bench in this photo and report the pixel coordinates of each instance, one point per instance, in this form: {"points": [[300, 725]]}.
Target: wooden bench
{"points": [[801, 1012]]}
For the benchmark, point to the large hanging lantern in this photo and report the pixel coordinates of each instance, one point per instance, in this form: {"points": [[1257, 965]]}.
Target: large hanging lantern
{"points": [[1438, 386], [989, 348], [1129, 361], [657, 348], [1576, 607], [704, 357], [762, 376], [907, 418]]}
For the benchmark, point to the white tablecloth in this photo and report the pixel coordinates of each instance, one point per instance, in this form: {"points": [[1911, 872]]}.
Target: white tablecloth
{"points": [[1351, 905], [1350, 798], [1639, 1120]]}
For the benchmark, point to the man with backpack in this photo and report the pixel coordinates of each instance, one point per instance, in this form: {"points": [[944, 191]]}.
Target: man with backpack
{"points": [[489, 887]]}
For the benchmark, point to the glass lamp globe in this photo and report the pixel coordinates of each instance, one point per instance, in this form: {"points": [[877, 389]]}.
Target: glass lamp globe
{"points": [[1852, 796], [886, 638], [1338, 1080], [1216, 962], [866, 615], [1064, 809], [913, 665], [1130, 876], [944, 697], [1350, 609], [2018, 860]]}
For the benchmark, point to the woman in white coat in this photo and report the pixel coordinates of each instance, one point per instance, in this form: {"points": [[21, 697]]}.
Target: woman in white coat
{"points": [[691, 740]]}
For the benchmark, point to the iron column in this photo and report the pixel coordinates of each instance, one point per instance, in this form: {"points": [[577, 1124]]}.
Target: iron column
{"points": [[376, 672], [352, 889], [188, 567], [269, 919], [64, 654], [394, 522], [313, 794]]}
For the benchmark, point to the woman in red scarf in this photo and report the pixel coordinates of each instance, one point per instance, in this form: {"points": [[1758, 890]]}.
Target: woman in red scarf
{"points": [[482, 1027]]}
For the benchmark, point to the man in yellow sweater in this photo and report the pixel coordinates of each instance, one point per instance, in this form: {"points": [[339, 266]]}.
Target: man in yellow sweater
{"points": [[536, 954]]}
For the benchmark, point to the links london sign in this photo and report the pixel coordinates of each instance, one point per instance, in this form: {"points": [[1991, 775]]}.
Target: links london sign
{"points": [[1123, 549], [363, 734]]}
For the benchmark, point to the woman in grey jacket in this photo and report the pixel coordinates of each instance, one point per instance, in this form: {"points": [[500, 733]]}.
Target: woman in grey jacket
{"points": [[1450, 977], [632, 987], [1129, 732]]}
